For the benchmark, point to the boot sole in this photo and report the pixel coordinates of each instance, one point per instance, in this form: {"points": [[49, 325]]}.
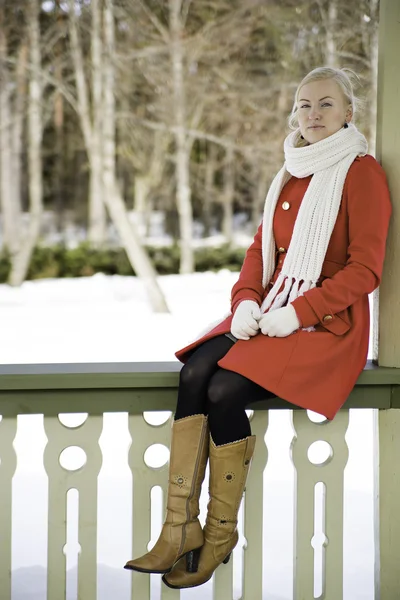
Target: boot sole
{"points": [[139, 570], [186, 587], [163, 572], [183, 587]]}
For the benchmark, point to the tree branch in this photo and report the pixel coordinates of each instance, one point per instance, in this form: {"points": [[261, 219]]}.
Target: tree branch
{"points": [[82, 92], [224, 142], [163, 31]]}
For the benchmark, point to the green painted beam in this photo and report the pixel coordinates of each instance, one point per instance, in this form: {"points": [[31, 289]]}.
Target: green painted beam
{"points": [[136, 387], [130, 375], [89, 376]]}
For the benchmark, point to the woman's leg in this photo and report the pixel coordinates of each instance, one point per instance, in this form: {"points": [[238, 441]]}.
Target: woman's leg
{"points": [[182, 533], [228, 395], [195, 376], [231, 451]]}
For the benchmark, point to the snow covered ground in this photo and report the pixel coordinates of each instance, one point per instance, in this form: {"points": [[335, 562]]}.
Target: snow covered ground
{"points": [[108, 319]]}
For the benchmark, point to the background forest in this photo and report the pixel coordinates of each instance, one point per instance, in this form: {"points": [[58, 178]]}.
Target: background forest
{"points": [[124, 123]]}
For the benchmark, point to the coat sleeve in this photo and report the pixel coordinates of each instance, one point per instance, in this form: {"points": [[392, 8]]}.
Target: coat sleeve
{"points": [[249, 285], [369, 211]]}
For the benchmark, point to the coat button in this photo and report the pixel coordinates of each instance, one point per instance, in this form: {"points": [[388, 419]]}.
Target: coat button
{"points": [[327, 318], [281, 250], [285, 205]]}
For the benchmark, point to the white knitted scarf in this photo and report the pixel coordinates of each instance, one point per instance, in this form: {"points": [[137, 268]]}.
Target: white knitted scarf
{"points": [[328, 161]]}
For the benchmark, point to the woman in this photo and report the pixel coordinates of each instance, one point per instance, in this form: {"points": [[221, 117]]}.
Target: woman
{"points": [[298, 329]]}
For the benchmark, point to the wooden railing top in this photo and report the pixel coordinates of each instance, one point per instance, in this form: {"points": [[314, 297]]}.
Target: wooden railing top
{"points": [[136, 387]]}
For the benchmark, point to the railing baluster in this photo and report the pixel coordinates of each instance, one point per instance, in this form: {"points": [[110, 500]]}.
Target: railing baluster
{"points": [[144, 478], [60, 481], [253, 507], [8, 465], [331, 473]]}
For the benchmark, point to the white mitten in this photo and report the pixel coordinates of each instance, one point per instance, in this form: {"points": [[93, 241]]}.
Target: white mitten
{"points": [[280, 322], [245, 320]]}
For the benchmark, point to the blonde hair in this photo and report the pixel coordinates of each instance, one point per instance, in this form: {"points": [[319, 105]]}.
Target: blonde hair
{"points": [[345, 78]]}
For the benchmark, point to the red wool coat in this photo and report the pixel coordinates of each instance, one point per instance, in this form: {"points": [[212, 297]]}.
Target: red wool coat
{"points": [[317, 370]]}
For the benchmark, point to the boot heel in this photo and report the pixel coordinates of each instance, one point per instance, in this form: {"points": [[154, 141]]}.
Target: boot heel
{"points": [[192, 560], [226, 559]]}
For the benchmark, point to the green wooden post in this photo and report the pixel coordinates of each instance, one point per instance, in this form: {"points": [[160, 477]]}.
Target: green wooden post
{"points": [[387, 522]]}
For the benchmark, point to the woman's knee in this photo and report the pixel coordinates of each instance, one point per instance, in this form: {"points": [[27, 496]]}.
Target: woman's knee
{"points": [[219, 393], [192, 375]]}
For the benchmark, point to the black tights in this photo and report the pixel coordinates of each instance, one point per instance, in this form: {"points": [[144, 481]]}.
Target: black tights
{"points": [[205, 388]]}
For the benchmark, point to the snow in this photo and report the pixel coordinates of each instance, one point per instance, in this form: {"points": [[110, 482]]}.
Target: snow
{"points": [[107, 318]]}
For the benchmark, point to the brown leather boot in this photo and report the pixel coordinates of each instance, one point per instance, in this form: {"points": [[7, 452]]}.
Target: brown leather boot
{"points": [[181, 532], [229, 465]]}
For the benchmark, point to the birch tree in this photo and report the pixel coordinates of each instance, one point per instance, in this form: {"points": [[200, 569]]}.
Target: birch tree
{"points": [[12, 106], [329, 16], [58, 118], [104, 137], [209, 185], [112, 197], [147, 180], [21, 259], [97, 215], [228, 195], [182, 153]]}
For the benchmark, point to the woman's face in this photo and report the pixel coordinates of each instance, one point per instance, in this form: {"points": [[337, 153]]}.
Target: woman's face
{"points": [[322, 109]]}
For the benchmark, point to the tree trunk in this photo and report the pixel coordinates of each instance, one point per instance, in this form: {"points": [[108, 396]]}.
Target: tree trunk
{"points": [[259, 199], [142, 190], [59, 129], [97, 215], [112, 197], [211, 157], [17, 133], [96, 225], [147, 181], [8, 207], [91, 134], [20, 264], [183, 193], [329, 20], [228, 195]]}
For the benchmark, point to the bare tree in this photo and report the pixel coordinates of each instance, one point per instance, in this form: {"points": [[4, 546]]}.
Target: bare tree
{"points": [[18, 125], [329, 17], [21, 260], [59, 116], [209, 185], [182, 154], [104, 137], [97, 215], [228, 195], [112, 195], [11, 120]]}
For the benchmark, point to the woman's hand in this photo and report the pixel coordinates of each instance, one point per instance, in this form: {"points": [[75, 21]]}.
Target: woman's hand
{"points": [[280, 322], [245, 320]]}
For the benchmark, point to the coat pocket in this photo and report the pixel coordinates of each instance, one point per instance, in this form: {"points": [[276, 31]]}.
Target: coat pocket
{"points": [[340, 324]]}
